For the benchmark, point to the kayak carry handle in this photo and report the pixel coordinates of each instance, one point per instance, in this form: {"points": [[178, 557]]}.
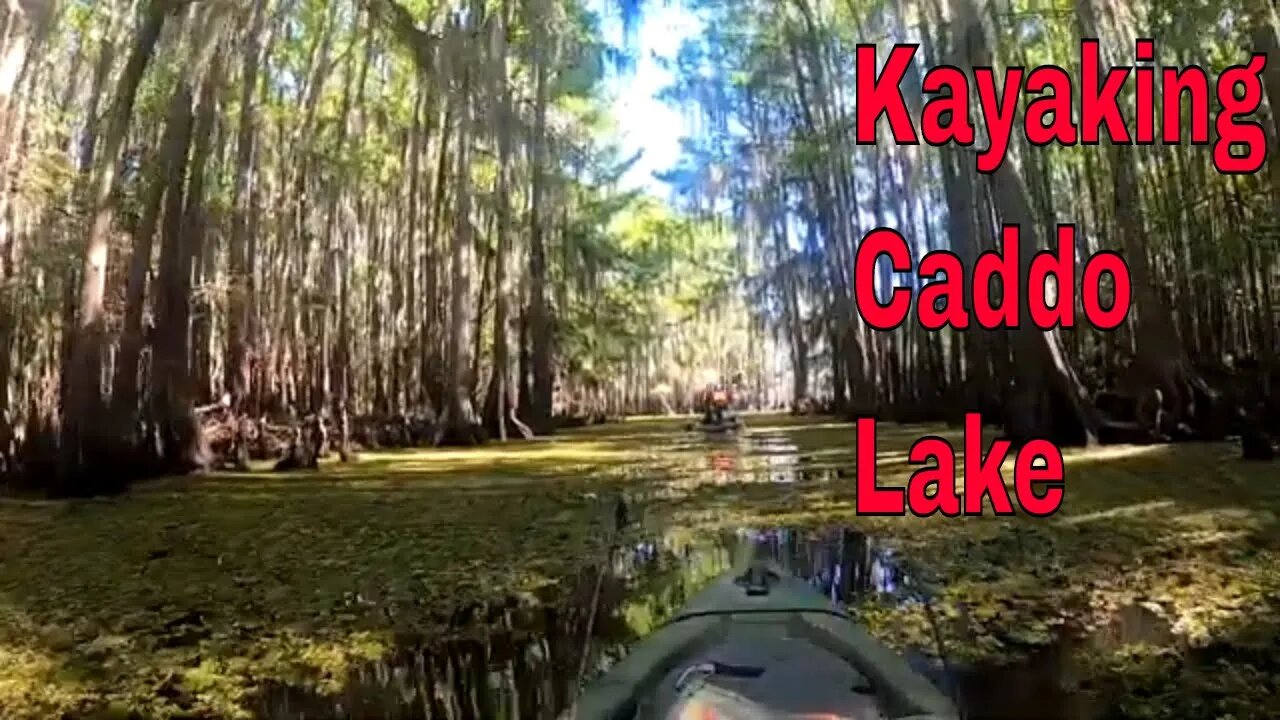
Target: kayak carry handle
{"points": [[756, 579], [715, 667], [742, 671]]}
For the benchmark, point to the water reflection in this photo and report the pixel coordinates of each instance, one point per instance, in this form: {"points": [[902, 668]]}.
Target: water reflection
{"points": [[758, 458], [841, 563], [724, 466], [772, 444]]}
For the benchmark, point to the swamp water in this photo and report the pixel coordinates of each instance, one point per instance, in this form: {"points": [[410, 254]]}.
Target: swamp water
{"points": [[528, 658]]}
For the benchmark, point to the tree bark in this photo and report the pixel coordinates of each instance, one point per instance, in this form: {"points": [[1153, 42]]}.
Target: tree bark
{"points": [[82, 442], [125, 399], [238, 375], [171, 405], [539, 315], [460, 423], [1048, 399]]}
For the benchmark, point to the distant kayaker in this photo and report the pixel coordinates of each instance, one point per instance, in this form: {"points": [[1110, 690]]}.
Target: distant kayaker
{"points": [[716, 399]]}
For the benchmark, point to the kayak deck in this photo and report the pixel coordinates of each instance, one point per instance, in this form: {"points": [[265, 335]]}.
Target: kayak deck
{"points": [[759, 643], [754, 670]]}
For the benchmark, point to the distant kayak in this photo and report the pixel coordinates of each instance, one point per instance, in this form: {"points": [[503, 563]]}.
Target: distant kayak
{"points": [[760, 644], [729, 424]]}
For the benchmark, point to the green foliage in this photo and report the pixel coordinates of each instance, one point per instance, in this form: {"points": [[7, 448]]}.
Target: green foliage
{"points": [[213, 587], [642, 269]]}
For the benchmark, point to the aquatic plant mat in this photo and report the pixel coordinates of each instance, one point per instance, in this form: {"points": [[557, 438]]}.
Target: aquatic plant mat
{"points": [[458, 583]]}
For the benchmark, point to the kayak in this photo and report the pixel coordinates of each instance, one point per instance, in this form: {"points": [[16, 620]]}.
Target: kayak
{"points": [[728, 425], [760, 644]]}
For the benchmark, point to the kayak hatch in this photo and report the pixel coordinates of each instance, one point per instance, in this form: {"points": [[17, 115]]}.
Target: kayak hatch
{"points": [[761, 644]]}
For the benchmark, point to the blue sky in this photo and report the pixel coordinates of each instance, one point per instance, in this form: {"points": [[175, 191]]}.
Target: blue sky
{"points": [[644, 122]]}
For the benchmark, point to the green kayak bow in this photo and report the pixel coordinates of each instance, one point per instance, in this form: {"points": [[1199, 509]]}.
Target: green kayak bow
{"points": [[759, 643]]}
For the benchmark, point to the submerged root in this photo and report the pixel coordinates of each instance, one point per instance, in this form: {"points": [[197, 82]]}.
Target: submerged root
{"points": [[463, 434], [460, 427]]}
